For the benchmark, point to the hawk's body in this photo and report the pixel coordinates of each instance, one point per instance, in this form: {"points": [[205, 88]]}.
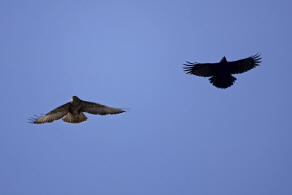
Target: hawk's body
{"points": [[72, 112], [221, 72]]}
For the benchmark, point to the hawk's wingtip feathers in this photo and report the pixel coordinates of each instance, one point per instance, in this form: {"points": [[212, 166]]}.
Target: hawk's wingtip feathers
{"points": [[33, 118]]}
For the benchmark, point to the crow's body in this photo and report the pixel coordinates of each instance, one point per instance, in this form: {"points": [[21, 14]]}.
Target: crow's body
{"points": [[221, 72]]}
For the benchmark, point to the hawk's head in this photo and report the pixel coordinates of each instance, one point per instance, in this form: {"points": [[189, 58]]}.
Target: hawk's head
{"points": [[75, 100]]}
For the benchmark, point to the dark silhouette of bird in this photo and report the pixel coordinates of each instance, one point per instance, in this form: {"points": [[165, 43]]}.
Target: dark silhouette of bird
{"points": [[221, 72], [72, 112]]}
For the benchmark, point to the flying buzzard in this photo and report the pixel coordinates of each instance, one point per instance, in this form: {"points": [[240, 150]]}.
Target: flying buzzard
{"points": [[221, 72], [72, 112]]}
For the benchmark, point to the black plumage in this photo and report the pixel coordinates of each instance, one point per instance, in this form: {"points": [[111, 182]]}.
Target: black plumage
{"points": [[221, 72]]}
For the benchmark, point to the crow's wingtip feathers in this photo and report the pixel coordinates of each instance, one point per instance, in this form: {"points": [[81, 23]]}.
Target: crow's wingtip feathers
{"points": [[189, 66], [257, 59]]}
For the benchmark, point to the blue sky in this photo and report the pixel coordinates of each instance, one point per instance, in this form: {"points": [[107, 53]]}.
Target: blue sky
{"points": [[180, 135]]}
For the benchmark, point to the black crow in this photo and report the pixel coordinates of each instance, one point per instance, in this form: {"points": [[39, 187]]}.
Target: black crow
{"points": [[221, 72]]}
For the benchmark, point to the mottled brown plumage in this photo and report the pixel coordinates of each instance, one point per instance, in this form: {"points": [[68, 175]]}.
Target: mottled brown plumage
{"points": [[221, 72], [72, 112]]}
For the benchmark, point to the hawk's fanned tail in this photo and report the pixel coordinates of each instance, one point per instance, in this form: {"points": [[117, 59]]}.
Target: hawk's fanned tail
{"points": [[74, 118]]}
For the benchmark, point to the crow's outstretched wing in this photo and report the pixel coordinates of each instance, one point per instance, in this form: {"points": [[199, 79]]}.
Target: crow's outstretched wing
{"points": [[55, 114], [95, 108], [243, 65], [200, 69]]}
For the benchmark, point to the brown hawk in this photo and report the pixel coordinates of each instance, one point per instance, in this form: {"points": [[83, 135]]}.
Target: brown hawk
{"points": [[72, 112], [221, 72]]}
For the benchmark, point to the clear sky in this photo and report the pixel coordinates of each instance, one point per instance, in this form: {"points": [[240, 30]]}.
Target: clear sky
{"points": [[181, 135]]}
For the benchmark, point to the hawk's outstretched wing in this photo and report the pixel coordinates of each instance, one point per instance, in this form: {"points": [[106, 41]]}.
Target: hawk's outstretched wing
{"points": [[243, 65], [95, 108], [55, 114], [200, 69]]}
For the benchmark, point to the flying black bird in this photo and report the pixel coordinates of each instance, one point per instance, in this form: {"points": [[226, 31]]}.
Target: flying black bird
{"points": [[221, 72], [72, 112]]}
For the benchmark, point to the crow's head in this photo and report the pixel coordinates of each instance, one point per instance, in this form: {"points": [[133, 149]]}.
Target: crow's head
{"points": [[223, 59]]}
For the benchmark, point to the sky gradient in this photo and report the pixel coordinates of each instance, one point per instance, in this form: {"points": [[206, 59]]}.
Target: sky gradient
{"points": [[180, 135]]}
